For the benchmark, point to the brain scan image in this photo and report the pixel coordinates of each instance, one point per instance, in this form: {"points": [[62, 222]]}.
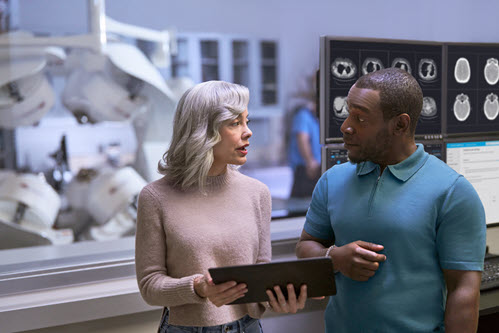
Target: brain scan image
{"points": [[340, 107], [462, 70], [403, 64], [343, 68], [491, 106], [462, 107], [371, 65], [427, 69], [429, 107], [491, 71]]}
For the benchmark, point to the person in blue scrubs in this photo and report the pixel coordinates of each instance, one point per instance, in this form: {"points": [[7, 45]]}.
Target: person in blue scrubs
{"points": [[305, 151], [405, 232]]}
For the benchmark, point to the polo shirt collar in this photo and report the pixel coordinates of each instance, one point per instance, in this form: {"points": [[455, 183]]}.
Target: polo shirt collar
{"points": [[403, 170]]}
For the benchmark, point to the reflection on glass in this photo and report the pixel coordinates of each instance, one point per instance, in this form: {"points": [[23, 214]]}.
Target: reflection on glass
{"points": [[462, 107], [343, 68], [491, 106], [462, 70]]}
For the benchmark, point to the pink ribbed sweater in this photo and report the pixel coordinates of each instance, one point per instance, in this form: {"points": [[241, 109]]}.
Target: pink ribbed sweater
{"points": [[180, 234]]}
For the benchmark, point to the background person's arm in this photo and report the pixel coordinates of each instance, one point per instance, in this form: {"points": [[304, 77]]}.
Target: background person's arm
{"points": [[311, 164], [463, 298]]}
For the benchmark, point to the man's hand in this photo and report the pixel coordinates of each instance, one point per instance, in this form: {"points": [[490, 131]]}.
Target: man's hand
{"points": [[358, 260], [219, 294], [292, 304], [313, 169]]}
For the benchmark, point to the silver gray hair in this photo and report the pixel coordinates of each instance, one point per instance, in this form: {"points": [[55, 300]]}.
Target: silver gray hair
{"points": [[200, 112]]}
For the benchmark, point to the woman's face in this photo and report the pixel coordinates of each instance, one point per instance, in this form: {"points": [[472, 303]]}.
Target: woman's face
{"points": [[232, 149]]}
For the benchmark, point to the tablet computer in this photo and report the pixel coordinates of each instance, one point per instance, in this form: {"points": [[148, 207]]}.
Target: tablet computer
{"points": [[316, 273]]}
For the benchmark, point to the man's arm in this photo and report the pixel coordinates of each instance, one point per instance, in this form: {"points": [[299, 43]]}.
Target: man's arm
{"points": [[463, 298], [357, 260], [311, 164]]}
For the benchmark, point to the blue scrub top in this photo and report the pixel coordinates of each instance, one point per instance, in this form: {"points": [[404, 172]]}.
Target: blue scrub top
{"points": [[426, 216], [304, 122]]}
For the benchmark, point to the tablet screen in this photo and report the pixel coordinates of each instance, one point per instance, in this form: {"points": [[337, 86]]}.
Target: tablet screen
{"points": [[316, 273]]}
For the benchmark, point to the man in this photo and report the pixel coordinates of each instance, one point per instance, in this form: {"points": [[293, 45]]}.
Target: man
{"points": [[305, 151], [405, 232]]}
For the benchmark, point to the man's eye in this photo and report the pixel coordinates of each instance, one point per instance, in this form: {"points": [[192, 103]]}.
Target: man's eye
{"points": [[361, 119]]}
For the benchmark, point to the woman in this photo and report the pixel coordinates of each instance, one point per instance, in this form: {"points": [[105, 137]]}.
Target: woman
{"points": [[203, 213]]}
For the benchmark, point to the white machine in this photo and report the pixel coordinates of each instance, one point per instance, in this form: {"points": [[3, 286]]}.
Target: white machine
{"points": [[28, 210], [106, 80]]}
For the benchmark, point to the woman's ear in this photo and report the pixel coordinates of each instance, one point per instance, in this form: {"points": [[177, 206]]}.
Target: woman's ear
{"points": [[402, 124]]}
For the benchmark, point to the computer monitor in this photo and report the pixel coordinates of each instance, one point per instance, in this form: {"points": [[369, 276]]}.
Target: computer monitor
{"points": [[333, 154], [478, 161], [343, 60], [472, 88], [434, 147]]}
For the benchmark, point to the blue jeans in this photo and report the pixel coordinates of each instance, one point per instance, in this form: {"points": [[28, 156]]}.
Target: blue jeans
{"points": [[244, 325]]}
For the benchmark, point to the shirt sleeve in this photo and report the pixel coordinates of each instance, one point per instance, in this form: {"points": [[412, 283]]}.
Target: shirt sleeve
{"points": [[461, 229], [265, 246], [317, 222], [156, 287], [301, 122]]}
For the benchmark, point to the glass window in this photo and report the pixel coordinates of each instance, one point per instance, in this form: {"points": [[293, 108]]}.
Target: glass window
{"points": [[240, 62], [209, 60], [269, 72], [180, 61]]}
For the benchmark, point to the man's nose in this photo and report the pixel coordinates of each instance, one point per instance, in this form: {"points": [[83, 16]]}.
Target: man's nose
{"points": [[345, 127]]}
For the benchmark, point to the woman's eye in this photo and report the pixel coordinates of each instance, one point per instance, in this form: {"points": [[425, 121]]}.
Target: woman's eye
{"points": [[248, 121], [236, 123]]}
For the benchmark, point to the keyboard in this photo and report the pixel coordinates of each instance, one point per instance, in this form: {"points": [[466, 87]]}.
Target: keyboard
{"points": [[490, 274]]}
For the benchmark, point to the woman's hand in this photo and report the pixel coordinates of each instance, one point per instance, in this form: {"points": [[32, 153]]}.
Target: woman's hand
{"points": [[292, 304], [219, 294]]}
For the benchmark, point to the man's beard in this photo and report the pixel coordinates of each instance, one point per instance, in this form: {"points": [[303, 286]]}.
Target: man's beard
{"points": [[374, 151]]}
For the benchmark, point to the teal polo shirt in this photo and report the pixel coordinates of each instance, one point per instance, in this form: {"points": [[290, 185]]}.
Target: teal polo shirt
{"points": [[428, 218]]}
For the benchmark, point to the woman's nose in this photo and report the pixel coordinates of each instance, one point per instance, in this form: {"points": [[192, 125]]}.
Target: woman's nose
{"points": [[247, 133]]}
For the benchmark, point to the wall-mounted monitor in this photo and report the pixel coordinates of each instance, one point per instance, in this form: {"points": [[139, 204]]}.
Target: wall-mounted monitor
{"points": [[434, 147], [472, 88], [478, 161], [333, 154], [343, 61]]}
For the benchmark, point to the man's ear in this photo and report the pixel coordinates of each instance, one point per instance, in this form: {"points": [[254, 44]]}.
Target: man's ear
{"points": [[401, 124]]}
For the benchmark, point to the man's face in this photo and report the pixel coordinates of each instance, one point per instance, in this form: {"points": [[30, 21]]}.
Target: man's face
{"points": [[366, 134]]}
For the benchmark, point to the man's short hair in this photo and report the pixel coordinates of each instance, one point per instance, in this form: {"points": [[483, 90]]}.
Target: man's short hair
{"points": [[399, 93]]}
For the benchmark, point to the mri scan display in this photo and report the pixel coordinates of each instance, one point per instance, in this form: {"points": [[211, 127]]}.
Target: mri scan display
{"points": [[403, 64], [472, 96], [491, 71], [462, 107], [491, 106], [462, 70], [340, 107], [371, 65], [343, 69], [429, 108], [427, 69], [345, 60]]}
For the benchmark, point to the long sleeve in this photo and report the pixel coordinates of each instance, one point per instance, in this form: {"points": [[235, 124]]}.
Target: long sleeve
{"points": [[156, 287], [265, 248]]}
